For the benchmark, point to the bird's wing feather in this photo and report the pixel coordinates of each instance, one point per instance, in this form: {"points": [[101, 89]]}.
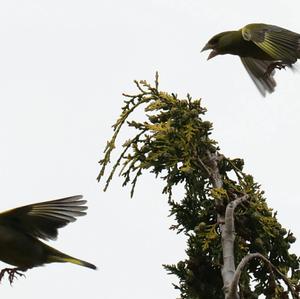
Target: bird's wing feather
{"points": [[258, 71], [42, 220], [279, 43]]}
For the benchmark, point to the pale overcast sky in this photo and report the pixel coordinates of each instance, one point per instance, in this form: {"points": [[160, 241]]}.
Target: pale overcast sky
{"points": [[63, 67]]}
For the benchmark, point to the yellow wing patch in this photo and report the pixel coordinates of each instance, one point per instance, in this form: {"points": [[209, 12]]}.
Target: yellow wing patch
{"points": [[279, 43]]}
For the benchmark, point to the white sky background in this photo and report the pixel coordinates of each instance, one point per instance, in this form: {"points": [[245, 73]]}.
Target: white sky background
{"points": [[63, 67]]}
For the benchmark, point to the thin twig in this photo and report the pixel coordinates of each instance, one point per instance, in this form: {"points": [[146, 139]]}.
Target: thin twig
{"points": [[245, 261]]}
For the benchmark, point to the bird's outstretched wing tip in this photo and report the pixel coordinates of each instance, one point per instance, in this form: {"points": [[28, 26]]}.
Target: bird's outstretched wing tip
{"points": [[258, 72]]}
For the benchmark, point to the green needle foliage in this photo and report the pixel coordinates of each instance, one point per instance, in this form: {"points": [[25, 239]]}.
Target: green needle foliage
{"points": [[174, 143]]}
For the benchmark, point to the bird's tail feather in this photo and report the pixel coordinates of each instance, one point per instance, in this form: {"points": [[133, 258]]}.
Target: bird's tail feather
{"points": [[73, 260], [56, 256]]}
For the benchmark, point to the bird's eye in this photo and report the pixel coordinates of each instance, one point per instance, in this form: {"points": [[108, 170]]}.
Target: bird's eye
{"points": [[214, 41]]}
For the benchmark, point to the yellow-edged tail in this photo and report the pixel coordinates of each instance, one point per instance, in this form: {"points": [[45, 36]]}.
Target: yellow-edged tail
{"points": [[69, 259]]}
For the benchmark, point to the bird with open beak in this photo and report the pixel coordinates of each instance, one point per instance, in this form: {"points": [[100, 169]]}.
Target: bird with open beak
{"points": [[262, 49]]}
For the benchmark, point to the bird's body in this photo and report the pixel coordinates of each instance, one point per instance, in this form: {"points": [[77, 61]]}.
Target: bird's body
{"points": [[22, 228], [21, 250], [262, 48], [233, 43]]}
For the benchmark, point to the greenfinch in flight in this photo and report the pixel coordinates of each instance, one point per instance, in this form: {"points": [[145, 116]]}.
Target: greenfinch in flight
{"points": [[262, 49], [22, 228]]}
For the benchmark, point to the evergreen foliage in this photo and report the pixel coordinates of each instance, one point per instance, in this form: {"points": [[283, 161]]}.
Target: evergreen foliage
{"points": [[174, 143]]}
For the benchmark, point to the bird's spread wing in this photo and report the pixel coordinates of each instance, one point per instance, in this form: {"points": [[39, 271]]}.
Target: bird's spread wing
{"points": [[42, 220], [258, 71], [279, 43]]}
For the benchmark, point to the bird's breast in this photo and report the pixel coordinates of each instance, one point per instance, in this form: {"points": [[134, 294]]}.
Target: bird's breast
{"points": [[250, 49], [19, 249]]}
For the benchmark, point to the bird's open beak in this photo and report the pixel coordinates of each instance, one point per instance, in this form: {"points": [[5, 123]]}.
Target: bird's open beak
{"points": [[212, 54]]}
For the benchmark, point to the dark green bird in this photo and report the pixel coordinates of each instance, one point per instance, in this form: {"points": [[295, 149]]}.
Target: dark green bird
{"points": [[262, 48], [22, 228]]}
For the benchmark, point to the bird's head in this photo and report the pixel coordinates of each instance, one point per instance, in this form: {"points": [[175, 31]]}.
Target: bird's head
{"points": [[221, 43]]}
